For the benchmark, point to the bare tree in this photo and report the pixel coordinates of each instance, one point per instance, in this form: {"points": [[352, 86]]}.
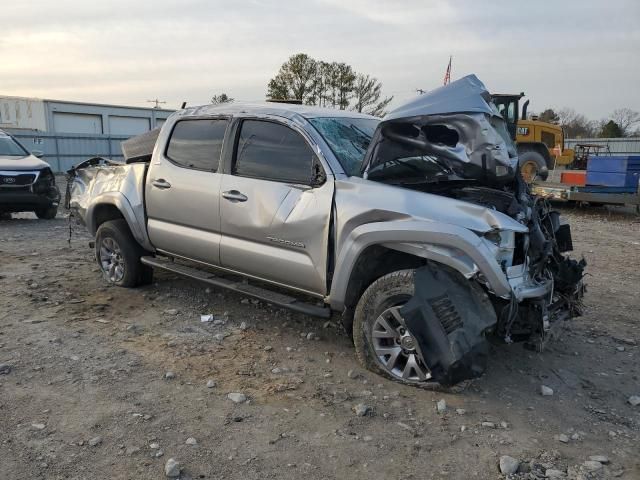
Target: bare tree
{"points": [[220, 99], [367, 91], [625, 118], [576, 125]]}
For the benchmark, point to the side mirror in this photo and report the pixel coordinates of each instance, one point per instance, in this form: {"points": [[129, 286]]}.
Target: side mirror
{"points": [[37, 153], [318, 177]]}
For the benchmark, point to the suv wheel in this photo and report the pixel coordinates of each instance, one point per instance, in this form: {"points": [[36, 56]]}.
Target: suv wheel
{"points": [[118, 255], [48, 213], [383, 342]]}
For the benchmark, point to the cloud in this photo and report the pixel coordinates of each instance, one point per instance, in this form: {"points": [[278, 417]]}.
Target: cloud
{"points": [[561, 54]]}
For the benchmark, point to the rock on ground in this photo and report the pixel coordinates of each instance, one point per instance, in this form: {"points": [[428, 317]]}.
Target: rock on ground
{"points": [[237, 397], [546, 391], [362, 410], [509, 465], [599, 458], [172, 468]]}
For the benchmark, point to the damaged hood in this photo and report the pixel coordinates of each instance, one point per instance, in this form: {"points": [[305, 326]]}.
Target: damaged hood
{"points": [[454, 130]]}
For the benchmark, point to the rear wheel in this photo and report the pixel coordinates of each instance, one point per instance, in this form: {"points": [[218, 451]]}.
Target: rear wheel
{"points": [[382, 340], [532, 166], [118, 255], [48, 213]]}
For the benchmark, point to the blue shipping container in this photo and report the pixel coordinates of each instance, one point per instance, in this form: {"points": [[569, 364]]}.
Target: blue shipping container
{"points": [[620, 172]]}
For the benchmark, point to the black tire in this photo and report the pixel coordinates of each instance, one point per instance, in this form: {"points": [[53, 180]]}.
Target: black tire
{"points": [[48, 213], [116, 235], [391, 290], [534, 164]]}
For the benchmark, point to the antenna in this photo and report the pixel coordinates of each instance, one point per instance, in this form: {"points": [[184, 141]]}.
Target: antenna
{"points": [[420, 91], [156, 101]]}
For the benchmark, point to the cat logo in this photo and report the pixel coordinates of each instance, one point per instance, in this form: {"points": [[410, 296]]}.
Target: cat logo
{"points": [[523, 130]]}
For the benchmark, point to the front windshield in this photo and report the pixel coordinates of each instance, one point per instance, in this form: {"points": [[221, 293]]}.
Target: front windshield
{"points": [[10, 148], [348, 138]]}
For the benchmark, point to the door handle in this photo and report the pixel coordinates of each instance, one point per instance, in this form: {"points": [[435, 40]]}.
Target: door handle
{"points": [[234, 196], [161, 183]]}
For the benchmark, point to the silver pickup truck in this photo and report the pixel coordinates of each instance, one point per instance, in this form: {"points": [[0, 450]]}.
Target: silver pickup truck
{"points": [[417, 229]]}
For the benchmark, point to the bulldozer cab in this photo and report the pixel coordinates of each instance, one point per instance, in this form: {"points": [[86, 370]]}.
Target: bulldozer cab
{"points": [[509, 107]]}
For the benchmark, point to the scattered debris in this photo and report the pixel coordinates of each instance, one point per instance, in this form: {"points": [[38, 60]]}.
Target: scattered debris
{"points": [[562, 438], [206, 318], [95, 441], [38, 426], [171, 311], [599, 458], [441, 406], [5, 368], [634, 400], [191, 441], [460, 411], [211, 384], [169, 375]]}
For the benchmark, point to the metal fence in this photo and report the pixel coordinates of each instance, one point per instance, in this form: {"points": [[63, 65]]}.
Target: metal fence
{"points": [[617, 146], [63, 150]]}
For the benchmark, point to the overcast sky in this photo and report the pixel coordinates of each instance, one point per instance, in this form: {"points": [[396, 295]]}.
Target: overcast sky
{"points": [[583, 54]]}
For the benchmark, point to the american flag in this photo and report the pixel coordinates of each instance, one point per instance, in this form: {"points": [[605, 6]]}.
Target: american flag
{"points": [[447, 75]]}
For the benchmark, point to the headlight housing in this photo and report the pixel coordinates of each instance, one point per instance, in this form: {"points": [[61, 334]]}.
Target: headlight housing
{"points": [[502, 244]]}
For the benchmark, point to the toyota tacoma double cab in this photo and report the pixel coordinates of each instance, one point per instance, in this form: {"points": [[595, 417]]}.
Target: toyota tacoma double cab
{"points": [[27, 184], [418, 229]]}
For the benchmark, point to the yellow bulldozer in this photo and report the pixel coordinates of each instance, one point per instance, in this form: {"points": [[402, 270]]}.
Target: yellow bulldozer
{"points": [[540, 144]]}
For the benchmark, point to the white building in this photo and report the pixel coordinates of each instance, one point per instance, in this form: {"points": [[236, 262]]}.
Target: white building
{"points": [[69, 132]]}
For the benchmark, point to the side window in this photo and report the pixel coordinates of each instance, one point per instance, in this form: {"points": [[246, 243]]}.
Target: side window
{"points": [[197, 143], [272, 151]]}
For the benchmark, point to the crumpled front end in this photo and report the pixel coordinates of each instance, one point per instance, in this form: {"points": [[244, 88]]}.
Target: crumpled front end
{"points": [[452, 143]]}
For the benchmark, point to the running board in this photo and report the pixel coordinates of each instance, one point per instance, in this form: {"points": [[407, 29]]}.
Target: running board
{"points": [[260, 293]]}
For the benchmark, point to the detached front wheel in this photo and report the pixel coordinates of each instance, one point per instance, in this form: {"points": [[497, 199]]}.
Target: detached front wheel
{"points": [[382, 340], [118, 255]]}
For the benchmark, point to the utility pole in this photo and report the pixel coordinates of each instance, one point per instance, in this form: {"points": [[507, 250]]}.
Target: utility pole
{"points": [[156, 101]]}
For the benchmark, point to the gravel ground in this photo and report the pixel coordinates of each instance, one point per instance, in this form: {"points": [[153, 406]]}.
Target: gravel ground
{"points": [[100, 382]]}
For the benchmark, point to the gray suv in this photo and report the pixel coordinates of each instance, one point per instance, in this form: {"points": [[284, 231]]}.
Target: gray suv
{"points": [[417, 230]]}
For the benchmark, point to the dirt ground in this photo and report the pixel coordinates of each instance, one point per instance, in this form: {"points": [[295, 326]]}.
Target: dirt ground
{"points": [[109, 383]]}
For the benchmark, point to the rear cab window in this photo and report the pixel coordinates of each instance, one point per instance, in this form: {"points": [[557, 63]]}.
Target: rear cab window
{"points": [[197, 143], [272, 151]]}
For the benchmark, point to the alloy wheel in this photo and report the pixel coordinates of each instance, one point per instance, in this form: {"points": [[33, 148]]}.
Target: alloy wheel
{"points": [[111, 260], [396, 349]]}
